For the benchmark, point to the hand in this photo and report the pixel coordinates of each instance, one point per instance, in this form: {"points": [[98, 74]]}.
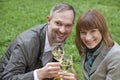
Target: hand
{"points": [[50, 70], [67, 76]]}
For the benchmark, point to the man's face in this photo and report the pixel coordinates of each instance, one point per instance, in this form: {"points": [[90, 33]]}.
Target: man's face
{"points": [[60, 26]]}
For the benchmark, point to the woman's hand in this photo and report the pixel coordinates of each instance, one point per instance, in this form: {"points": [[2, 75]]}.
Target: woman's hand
{"points": [[67, 76]]}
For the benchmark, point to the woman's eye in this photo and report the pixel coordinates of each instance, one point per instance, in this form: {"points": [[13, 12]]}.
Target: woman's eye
{"points": [[94, 30], [83, 33]]}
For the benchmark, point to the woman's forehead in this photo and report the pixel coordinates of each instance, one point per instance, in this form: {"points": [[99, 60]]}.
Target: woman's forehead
{"points": [[83, 28]]}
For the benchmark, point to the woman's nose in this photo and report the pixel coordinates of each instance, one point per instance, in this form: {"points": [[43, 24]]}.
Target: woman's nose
{"points": [[88, 36]]}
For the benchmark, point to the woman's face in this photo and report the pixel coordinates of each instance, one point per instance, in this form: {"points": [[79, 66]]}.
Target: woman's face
{"points": [[91, 38]]}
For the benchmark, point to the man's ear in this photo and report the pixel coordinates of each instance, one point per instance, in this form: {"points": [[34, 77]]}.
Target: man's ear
{"points": [[48, 19]]}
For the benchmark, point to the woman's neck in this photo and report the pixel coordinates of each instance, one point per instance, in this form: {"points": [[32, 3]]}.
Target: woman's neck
{"points": [[94, 49]]}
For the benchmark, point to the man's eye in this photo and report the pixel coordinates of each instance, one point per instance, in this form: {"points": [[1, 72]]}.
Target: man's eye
{"points": [[58, 23], [68, 25]]}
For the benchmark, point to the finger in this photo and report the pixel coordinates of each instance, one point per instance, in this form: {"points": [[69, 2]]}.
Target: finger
{"points": [[53, 73], [67, 76], [53, 68], [53, 64]]}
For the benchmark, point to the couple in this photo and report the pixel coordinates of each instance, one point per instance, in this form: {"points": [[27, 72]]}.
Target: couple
{"points": [[29, 56]]}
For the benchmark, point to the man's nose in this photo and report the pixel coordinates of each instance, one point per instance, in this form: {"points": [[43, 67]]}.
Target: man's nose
{"points": [[62, 29]]}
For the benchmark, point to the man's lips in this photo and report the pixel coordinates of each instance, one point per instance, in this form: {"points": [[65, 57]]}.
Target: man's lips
{"points": [[60, 36]]}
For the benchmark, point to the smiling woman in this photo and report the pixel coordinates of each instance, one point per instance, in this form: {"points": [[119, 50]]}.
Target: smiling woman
{"points": [[97, 49]]}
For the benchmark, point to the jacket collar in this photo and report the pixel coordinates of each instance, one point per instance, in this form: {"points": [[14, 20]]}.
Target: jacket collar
{"points": [[99, 59], [103, 52], [42, 37]]}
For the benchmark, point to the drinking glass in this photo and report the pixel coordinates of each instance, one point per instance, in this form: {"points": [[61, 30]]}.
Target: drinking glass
{"points": [[66, 65], [65, 61], [58, 54]]}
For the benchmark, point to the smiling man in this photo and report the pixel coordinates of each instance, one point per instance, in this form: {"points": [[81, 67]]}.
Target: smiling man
{"points": [[60, 25], [29, 56]]}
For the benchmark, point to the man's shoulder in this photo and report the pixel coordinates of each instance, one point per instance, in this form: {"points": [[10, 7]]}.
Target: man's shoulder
{"points": [[39, 27], [36, 29], [32, 34]]}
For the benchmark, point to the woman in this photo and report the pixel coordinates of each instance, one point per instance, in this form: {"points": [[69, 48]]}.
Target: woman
{"points": [[100, 55]]}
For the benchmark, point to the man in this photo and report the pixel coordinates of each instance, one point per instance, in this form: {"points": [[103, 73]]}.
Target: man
{"points": [[29, 56]]}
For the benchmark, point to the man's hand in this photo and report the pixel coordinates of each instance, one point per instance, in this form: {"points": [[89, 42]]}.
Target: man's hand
{"points": [[50, 70]]}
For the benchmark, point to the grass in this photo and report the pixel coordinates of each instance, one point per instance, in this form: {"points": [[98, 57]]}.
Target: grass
{"points": [[17, 16]]}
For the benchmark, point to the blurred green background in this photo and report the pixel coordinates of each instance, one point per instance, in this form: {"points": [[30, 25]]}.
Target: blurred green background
{"points": [[17, 16]]}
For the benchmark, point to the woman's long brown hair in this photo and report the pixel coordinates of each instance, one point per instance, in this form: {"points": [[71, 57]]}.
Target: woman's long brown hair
{"points": [[90, 20]]}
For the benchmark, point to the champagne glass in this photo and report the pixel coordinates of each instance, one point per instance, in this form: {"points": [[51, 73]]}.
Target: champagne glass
{"points": [[67, 63], [58, 54]]}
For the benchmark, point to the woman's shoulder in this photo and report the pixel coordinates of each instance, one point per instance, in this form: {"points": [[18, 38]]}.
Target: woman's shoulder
{"points": [[116, 47], [114, 51]]}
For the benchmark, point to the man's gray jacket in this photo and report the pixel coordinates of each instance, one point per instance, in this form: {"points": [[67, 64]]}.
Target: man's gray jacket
{"points": [[23, 55]]}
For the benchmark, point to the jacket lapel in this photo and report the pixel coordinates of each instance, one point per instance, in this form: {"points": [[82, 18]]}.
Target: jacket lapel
{"points": [[42, 43], [42, 37], [99, 59], [83, 62]]}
